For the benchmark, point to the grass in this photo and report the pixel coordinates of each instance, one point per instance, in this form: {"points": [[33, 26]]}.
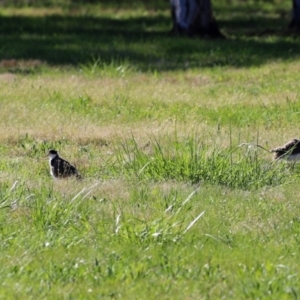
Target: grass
{"points": [[177, 202], [192, 161]]}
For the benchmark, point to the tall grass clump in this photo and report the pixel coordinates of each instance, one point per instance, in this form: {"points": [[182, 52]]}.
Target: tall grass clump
{"points": [[191, 160], [116, 68]]}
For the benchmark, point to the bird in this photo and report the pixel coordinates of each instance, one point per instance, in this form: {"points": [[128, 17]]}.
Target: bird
{"points": [[290, 151], [60, 168]]}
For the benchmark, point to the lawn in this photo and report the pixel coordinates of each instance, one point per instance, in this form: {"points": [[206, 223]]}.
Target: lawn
{"points": [[176, 201]]}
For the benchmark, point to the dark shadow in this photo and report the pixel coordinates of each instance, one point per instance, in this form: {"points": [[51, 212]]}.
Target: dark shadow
{"points": [[144, 42]]}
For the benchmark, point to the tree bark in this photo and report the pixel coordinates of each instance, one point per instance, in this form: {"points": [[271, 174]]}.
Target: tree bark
{"points": [[194, 18], [295, 23]]}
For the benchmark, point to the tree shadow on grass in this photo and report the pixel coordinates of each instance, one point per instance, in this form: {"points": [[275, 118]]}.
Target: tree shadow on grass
{"points": [[143, 42]]}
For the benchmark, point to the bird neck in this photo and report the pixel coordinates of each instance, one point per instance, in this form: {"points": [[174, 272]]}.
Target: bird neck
{"points": [[52, 156]]}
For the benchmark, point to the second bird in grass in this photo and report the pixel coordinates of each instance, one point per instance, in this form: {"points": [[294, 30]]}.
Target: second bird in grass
{"points": [[60, 168], [289, 151]]}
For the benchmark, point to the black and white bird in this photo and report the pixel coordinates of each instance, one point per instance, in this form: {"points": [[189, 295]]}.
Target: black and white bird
{"points": [[289, 151], [60, 168]]}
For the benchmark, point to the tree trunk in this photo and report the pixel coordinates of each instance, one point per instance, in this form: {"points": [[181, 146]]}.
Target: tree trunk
{"points": [[194, 17], [295, 23]]}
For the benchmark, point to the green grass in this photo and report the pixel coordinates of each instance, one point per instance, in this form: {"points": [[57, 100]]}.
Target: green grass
{"points": [[192, 161], [176, 201]]}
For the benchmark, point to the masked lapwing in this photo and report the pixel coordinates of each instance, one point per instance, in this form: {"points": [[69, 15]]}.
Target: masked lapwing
{"points": [[60, 168], [289, 151]]}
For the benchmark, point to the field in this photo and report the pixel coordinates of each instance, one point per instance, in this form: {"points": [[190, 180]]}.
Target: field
{"points": [[176, 201]]}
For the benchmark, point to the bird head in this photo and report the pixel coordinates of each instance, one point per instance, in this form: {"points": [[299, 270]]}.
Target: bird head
{"points": [[52, 153]]}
